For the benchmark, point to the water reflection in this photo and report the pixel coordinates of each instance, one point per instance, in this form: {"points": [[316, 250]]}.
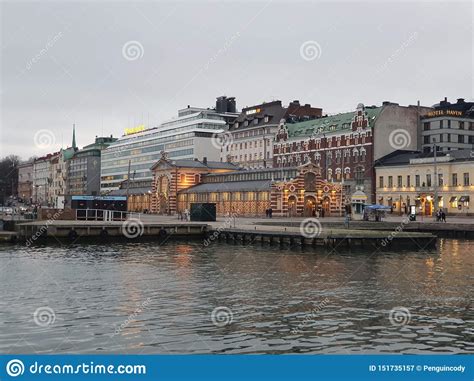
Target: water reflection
{"points": [[145, 298]]}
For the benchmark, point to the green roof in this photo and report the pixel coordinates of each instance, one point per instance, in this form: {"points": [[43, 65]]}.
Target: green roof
{"points": [[68, 153], [330, 124]]}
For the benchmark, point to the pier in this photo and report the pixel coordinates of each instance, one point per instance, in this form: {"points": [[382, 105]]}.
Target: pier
{"points": [[163, 228], [73, 231], [341, 238]]}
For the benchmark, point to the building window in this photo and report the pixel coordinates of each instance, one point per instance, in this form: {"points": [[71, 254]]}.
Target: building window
{"points": [[440, 138], [449, 123], [408, 181], [466, 179], [399, 181], [455, 179], [440, 179], [359, 175], [428, 180], [390, 181], [426, 126], [461, 125], [380, 181], [441, 124], [460, 138], [417, 180]]}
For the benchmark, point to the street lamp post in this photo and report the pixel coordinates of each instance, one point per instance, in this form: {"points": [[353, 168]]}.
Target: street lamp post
{"points": [[435, 178]]}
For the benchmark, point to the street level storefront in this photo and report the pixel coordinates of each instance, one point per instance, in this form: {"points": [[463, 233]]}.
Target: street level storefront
{"points": [[291, 191], [410, 178]]}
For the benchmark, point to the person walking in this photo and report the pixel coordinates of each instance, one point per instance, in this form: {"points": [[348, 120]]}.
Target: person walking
{"points": [[443, 216]]}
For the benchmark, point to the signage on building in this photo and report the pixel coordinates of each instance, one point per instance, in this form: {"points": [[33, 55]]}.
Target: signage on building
{"points": [[253, 111], [436, 113], [134, 130]]}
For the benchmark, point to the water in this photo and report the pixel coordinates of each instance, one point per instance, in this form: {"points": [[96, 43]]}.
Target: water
{"points": [[145, 298]]}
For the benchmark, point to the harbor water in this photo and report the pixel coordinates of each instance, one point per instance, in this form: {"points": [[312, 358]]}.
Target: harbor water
{"points": [[184, 297]]}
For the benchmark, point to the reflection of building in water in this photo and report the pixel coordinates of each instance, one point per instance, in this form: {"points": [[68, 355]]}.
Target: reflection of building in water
{"points": [[292, 191]]}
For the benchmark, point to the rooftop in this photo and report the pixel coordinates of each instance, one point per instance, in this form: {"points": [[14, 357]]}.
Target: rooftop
{"points": [[331, 123]]}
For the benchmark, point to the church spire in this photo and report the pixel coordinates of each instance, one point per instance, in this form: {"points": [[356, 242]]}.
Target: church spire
{"points": [[74, 136]]}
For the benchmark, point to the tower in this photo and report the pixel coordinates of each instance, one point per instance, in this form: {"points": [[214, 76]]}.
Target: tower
{"points": [[74, 137]]}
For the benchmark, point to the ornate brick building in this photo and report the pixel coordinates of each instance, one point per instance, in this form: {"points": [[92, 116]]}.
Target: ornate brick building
{"points": [[345, 146], [295, 191], [250, 137], [172, 176]]}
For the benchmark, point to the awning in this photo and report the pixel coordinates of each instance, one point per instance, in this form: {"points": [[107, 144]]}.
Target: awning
{"points": [[453, 199], [464, 199]]}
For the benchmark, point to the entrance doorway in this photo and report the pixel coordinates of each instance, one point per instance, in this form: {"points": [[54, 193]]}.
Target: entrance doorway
{"points": [[309, 206], [292, 206], [326, 206]]}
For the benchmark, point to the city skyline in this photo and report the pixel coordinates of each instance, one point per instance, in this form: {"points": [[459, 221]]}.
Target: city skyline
{"points": [[71, 68]]}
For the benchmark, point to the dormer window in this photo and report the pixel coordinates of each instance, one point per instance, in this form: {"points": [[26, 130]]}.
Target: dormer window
{"points": [[246, 123], [255, 121], [266, 119]]}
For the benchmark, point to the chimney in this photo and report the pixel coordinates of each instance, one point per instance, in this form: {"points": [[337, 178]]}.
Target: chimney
{"points": [[204, 160], [460, 100]]}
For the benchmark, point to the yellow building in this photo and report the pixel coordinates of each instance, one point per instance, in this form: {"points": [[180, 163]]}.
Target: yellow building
{"points": [[406, 178]]}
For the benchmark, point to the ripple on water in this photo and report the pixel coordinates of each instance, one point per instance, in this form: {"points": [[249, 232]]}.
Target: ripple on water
{"points": [[148, 299]]}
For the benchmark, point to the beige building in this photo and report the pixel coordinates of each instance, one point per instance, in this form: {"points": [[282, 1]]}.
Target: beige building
{"points": [[25, 181], [406, 178]]}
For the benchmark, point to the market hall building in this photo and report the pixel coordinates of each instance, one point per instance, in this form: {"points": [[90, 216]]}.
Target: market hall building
{"points": [[292, 191]]}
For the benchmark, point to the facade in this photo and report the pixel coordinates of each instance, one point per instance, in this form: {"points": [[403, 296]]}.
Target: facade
{"points": [[251, 135], [449, 126], [191, 135], [345, 146], [171, 176], [295, 191], [411, 178], [83, 171], [25, 181], [57, 179], [42, 178]]}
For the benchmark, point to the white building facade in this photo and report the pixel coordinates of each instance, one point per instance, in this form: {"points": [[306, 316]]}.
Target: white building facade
{"points": [[192, 135]]}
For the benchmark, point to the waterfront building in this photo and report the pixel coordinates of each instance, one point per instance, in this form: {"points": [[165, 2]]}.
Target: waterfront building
{"points": [[83, 170], [293, 191], [251, 135], [171, 176], [139, 195], [449, 125], [42, 178], [344, 146], [406, 178], [191, 135], [25, 181]]}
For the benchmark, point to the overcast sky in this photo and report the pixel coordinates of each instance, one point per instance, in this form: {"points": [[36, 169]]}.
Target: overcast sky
{"points": [[107, 65]]}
